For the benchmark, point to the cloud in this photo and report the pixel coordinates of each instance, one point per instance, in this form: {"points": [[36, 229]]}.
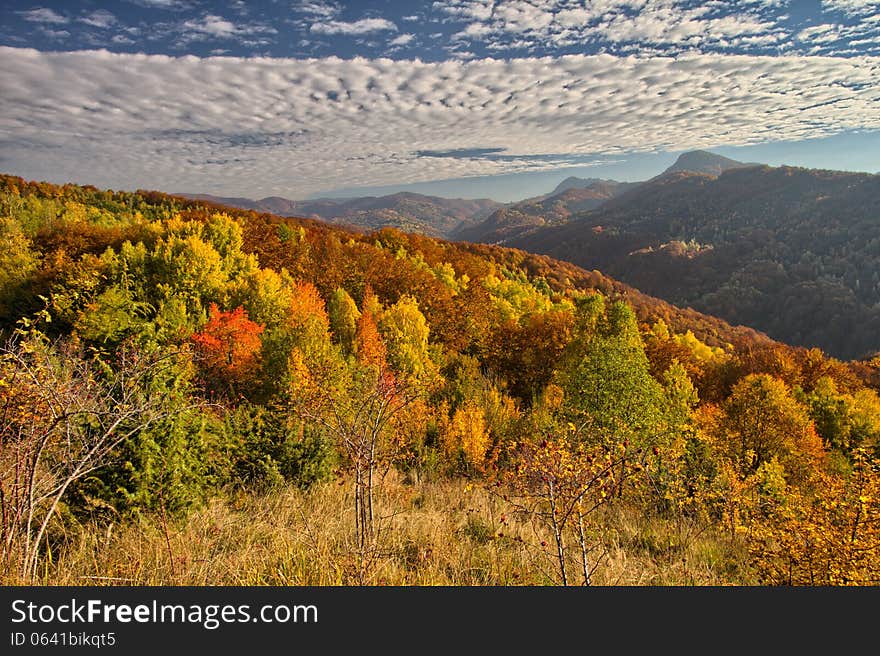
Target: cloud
{"points": [[220, 28], [518, 24], [852, 7], [362, 26], [55, 34], [401, 40], [291, 127], [319, 9], [42, 15], [100, 18], [175, 5], [842, 39], [460, 153]]}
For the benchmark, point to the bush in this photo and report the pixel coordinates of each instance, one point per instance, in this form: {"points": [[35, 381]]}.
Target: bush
{"points": [[269, 448]]}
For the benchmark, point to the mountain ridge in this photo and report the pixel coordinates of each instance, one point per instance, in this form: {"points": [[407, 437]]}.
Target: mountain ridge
{"points": [[788, 250], [432, 215]]}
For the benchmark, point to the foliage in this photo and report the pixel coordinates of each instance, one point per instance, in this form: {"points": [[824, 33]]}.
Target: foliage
{"points": [[762, 421], [560, 486], [245, 353], [832, 539], [228, 351], [268, 448]]}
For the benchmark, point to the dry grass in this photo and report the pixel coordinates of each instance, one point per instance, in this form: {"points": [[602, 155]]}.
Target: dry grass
{"points": [[439, 533]]}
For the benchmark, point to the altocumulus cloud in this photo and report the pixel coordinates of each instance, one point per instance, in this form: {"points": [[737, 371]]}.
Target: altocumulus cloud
{"points": [[293, 127]]}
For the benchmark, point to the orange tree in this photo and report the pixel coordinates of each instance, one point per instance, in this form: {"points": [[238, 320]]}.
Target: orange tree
{"points": [[229, 350]]}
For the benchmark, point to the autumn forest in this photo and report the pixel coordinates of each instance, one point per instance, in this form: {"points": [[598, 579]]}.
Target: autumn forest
{"points": [[198, 394]]}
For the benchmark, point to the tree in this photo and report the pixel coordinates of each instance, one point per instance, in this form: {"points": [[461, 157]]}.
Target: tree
{"points": [[229, 350], [17, 263], [62, 414], [466, 436], [303, 334], [355, 406], [610, 395], [559, 485], [405, 333], [527, 352], [344, 316], [369, 347], [610, 384], [845, 421], [762, 420], [832, 538]]}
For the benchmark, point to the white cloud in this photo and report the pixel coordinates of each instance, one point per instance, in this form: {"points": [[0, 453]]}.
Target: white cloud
{"points": [[534, 23], [163, 4], [100, 18], [55, 34], [362, 26], [318, 8], [220, 28], [43, 15], [401, 40], [473, 31], [212, 25], [842, 39], [289, 127], [852, 7], [824, 33]]}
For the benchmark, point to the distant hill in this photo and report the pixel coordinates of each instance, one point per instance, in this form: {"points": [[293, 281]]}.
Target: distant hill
{"points": [[554, 209], [574, 195], [790, 251], [429, 215], [573, 182], [701, 161]]}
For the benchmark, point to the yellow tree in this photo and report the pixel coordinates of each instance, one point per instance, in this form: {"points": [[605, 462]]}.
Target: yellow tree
{"points": [[828, 538], [466, 436], [558, 486], [344, 316], [761, 421]]}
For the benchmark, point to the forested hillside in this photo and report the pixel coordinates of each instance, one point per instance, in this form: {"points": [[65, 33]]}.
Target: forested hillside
{"points": [[197, 394], [521, 218], [429, 215], [791, 252]]}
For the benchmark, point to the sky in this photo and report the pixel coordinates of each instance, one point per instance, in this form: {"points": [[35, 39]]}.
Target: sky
{"points": [[469, 98]]}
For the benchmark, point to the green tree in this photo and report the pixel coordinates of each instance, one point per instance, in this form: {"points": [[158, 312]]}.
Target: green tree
{"points": [[344, 315], [845, 421], [608, 386]]}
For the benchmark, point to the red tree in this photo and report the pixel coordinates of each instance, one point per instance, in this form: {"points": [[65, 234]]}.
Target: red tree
{"points": [[229, 349]]}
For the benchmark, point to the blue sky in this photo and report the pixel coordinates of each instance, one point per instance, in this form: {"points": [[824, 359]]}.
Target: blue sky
{"points": [[454, 97]]}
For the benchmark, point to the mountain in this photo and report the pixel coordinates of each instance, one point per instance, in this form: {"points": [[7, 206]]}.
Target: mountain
{"points": [[574, 195], [573, 182], [554, 209], [701, 161], [430, 215], [793, 252]]}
